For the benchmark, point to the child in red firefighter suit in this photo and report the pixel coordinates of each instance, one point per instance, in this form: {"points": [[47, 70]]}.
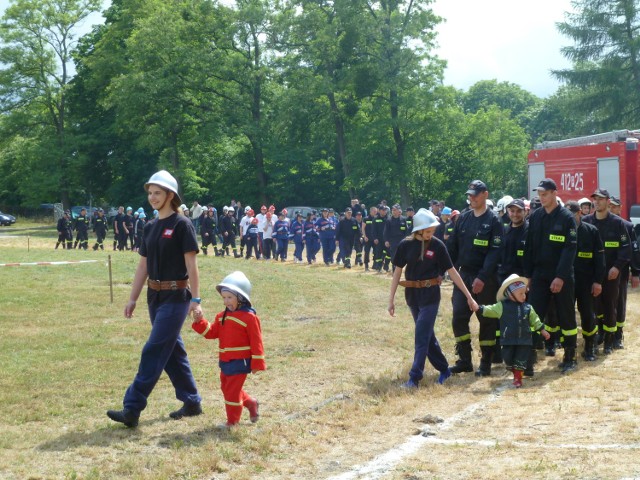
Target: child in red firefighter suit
{"points": [[517, 320], [238, 331]]}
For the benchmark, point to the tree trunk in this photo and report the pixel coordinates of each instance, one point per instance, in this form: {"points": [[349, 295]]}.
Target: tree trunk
{"points": [[401, 171]]}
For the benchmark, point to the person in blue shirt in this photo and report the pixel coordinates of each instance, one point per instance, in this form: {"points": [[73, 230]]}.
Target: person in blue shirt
{"points": [[311, 238], [281, 234], [251, 238], [297, 229], [327, 232]]}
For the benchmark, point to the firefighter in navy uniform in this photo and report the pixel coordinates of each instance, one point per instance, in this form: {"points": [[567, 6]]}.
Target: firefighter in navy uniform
{"points": [[120, 229], [358, 246], [368, 228], [82, 230], [378, 238], [615, 206], [589, 266], [129, 221], [65, 233], [229, 232], [548, 264], [617, 253], [208, 233], [475, 247], [409, 218], [347, 234], [100, 227], [395, 230]]}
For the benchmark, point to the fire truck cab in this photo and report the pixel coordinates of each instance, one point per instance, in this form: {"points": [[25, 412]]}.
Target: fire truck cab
{"points": [[581, 165]]}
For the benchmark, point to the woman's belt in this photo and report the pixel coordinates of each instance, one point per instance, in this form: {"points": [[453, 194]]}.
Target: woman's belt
{"points": [[430, 282], [158, 285]]}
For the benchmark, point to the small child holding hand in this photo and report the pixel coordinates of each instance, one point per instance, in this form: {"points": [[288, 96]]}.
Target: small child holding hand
{"points": [[517, 319], [241, 352]]}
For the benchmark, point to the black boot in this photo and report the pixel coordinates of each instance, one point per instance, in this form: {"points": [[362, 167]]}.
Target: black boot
{"points": [[204, 250], [497, 353], [531, 361], [569, 361], [588, 353], [126, 416], [550, 346], [216, 252], [236, 254], [484, 370], [186, 411], [618, 339], [347, 263], [608, 343], [463, 364]]}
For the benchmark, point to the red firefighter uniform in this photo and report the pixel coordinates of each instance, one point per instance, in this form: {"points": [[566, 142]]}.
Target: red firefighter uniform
{"points": [[240, 352]]}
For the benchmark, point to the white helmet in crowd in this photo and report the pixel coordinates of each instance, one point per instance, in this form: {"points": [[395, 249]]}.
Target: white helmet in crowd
{"points": [[225, 209], [489, 203], [238, 283], [584, 200], [501, 206], [246, 209], [231, 210], [424, 218]]}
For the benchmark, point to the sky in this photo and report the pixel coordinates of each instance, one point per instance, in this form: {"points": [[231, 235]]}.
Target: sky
{"points": [[508, 40]]}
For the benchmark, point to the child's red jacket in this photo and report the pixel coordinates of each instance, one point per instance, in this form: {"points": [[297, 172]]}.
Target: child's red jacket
{"points": [[240, 336]]}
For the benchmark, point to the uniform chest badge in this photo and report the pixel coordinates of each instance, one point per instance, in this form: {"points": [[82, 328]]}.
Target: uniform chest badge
{"points": [[429, 254], [167, 233]]}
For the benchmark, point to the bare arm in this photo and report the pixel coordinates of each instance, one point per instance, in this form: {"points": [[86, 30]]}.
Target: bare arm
{"points": [[136, 287], [395, 280], [194, 282]]}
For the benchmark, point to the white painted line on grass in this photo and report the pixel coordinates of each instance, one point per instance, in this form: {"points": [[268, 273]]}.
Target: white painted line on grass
{"points": [[382, 464], [29, 264]]}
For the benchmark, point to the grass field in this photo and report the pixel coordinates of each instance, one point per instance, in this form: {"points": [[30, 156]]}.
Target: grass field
{"points": [[330, 401]]}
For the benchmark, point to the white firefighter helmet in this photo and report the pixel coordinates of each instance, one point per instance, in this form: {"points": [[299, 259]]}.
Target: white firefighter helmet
{"points": [[238, 283], [225, 209], [164, 179], [584, 200], [489, 203], [501, 206], [246, 209], [424, 218]]}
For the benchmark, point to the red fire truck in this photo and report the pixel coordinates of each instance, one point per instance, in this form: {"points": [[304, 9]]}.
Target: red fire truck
{"points": [[581, 165]]}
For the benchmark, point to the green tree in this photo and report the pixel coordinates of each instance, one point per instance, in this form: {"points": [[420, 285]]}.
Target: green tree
{"points": [[606, 61], [38, 39]]}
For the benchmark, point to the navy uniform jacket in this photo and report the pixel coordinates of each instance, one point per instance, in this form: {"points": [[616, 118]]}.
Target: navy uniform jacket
{"points": [[348, 231], [551, 244], [514, 242], [617, 248], [476, 242], [395, 229], [589, 260]]}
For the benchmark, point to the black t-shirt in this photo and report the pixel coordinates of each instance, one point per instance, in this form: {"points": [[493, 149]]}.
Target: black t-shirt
{"points": [[434, 263], [165, 241]]}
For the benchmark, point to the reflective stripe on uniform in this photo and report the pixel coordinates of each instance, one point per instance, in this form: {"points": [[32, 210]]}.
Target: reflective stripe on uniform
{"points": [[611, 244], [610, 329], [570, 333], [585, 254], [463, 338], [591, 333], [556, 238], [487, 343], [233, 404], [233, 349]]}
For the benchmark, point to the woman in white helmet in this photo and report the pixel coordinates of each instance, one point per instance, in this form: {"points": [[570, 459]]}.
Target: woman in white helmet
{"points": [[168, 266], [426, 259]]}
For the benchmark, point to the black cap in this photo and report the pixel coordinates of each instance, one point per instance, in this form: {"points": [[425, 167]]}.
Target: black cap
{"points": [[324, 209], [573, 206], [601, 192], [331, 210], [615, 201], [546, 184], [535, 203], [410, 209], [397, 206], [348, 209], [434, 202], [359, 212], [476, 187], [516, 202]]}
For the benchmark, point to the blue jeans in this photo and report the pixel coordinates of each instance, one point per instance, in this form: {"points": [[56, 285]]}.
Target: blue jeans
{"points": [[426, 343], [164, 350]]}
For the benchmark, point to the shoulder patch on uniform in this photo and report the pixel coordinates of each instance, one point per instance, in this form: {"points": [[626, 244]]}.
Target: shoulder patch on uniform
{"points": [[623, 237], [497, 240], [573, 232]]}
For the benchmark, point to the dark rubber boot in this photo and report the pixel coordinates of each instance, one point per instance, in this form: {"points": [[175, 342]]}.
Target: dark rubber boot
{"points": [[569, 362], [484, 370], [618, 339], [608, 343], [588, 353], [186, 411], [463, 364], [126, 416]]}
